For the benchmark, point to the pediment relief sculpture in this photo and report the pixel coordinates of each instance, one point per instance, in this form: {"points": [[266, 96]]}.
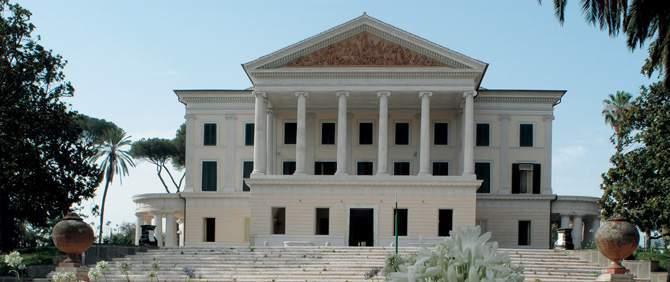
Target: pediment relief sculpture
{"points": [[365, 49]]}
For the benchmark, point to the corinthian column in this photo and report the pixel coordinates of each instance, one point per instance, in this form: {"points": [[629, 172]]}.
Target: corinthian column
{"points": [[300, 142], [342, 133], [468, 133], [382, 148], [424, 145], [259, 134]]}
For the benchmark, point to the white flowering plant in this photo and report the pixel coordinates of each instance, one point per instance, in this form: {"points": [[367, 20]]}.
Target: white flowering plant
{"points": [[465, 256], [64, 277], [14, 261]]}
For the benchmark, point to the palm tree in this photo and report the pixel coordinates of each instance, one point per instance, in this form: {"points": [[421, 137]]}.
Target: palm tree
{"points": [[614, 108], [113, 159], [640, 20]]}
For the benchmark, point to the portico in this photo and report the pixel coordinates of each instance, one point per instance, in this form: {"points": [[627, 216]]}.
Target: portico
{"points": [[461, 102]]}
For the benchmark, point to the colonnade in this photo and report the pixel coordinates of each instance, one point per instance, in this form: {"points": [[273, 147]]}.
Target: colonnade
{"points": [[174, 228], [260, 133]]}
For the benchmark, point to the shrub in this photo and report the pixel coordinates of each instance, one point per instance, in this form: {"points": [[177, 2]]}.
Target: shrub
{"points": [[464, 256]]}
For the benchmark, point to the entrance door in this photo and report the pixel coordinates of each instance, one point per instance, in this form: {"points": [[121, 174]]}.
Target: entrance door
{"points": [[361, 227]]}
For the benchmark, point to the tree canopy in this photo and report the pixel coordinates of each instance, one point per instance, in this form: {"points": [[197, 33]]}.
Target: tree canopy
{"points": [[637, 186], [641, 21], [44, 162], [160, 151]]}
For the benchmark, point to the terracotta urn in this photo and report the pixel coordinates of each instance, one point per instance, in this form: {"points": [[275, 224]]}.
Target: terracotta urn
{"points": [[72, 236], [617, 239]]}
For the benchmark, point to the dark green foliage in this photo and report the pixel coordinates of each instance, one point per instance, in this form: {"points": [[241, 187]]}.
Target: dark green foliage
{"points": [[95, 128], [638, 185], [641, 20], [124, 235], [44, 167], [159, 151]]}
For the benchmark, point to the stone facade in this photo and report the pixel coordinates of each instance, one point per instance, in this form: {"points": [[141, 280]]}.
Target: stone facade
{"points": [[392, 117]]}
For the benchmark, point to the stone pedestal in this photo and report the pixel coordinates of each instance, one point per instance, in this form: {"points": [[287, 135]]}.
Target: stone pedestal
{"points": [[564, 241], [626, 277]]}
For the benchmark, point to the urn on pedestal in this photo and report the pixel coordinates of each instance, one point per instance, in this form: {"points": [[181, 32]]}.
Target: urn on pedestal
{"points": [[73, 237], [617, 239]]}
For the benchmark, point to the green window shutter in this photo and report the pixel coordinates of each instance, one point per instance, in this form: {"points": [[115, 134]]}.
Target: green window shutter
{"points": [[210, 134], [209, 176], [526, 135], [537, 179], [249, 134], [483, 172], [516, 181]]}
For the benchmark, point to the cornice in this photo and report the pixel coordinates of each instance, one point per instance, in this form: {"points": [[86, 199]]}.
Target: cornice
{"points": [[218, 100], [360, 75], [539, 197], [369, 181], [514, 100]]}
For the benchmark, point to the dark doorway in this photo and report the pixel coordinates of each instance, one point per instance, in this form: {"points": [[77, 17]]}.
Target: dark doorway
{"points": [[361, 227]]}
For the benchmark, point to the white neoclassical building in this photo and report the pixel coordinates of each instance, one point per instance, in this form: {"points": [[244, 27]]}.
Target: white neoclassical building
{"points": [[340, 126]]}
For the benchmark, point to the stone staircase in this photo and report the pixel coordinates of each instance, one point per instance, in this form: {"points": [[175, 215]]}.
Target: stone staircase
{"points": [[316, 264]]}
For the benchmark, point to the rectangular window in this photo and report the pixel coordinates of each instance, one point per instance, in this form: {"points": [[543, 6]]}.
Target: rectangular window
{"points": [[440, 168], [526, 178], [322, 221], [325, 168], [278, 220], [526, 135], [290, 129], [441, 133], [247, 167], [210, 229], [482, 134], [209, 176], [402, 221], [365, 133], [288, 167], [445, 222], [328, 133], [209, 134], [483, 172], [402, 133], [401, 168], [249, 134], [364, 168], [524, 232]]}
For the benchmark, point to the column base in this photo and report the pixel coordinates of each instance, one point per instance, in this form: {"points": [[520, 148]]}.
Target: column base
{"points": [[341, 173], [424, 174], [382, 174], [256, 173]]}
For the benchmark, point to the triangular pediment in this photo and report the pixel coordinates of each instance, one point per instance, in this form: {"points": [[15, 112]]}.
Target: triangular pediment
{"points": [[367, 45], [365, 49]]}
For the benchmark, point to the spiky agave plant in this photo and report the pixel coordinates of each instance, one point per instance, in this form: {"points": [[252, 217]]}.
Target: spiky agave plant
{"points": [[465, 256]]}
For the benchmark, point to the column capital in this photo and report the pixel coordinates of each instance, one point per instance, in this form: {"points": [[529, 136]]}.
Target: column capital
{"points": [[260, 94], [301, 93], [425, 93], [383, 93], [548, 117], [504, 117], [342, 93], [469, 93]]}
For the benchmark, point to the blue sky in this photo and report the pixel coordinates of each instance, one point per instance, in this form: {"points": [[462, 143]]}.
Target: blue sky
{"points": [[126, 57]]}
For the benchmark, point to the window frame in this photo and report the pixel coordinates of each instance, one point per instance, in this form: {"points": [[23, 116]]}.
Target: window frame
{"points": [[205, 228], [316, 221], [406, 222], [409, 169], [372, 133], [490, 165], [532, 135], [325, 161], [202, 175], [245, 187], [395, 132], [439, 221], [488, 134], [372, 172], [283, 162], [434, 132], [433, 167], [246, 132], [204, 134], [272, 226], [284, 132], [529, 235], [321, 123]]}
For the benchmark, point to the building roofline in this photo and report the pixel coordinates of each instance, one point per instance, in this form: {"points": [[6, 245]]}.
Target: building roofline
{"points": [[211, 90], [522, 90]]}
